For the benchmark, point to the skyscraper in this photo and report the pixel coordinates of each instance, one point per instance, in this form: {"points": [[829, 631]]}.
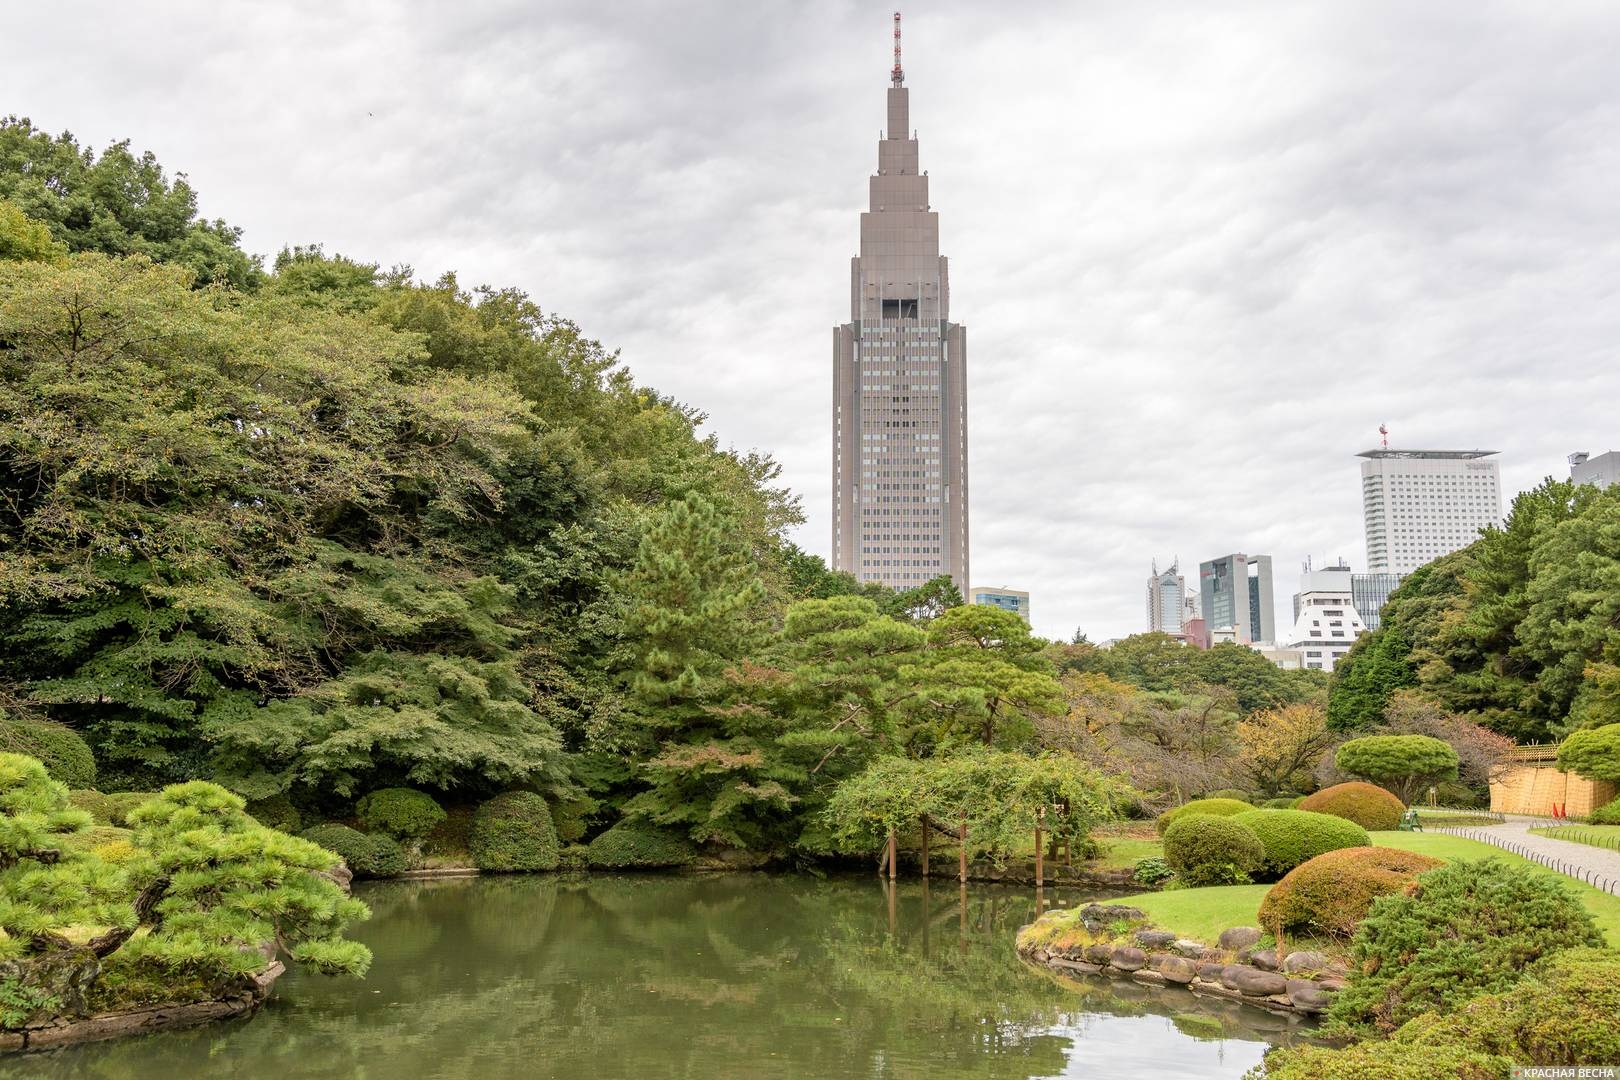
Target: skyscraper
{"points": [[900, 485], [1422, 504], [1166, 600], [1236, 596]]}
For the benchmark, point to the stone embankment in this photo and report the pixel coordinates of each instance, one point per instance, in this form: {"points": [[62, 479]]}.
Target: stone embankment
{"points": [[1115, 940]]}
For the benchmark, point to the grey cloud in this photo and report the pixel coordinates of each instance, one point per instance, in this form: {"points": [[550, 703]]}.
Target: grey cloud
{"points": [[1202, 250]]}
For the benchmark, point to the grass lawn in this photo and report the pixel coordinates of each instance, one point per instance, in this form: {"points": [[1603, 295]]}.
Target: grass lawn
{"points": [[1202, 914], [1125, 851], [1598, 836]]}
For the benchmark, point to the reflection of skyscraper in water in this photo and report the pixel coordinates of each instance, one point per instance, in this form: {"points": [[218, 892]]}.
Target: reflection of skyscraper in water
{"points": [[900, 489]]}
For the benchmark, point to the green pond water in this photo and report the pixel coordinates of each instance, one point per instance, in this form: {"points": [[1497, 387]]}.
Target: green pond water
{"points": [[741, 975]]}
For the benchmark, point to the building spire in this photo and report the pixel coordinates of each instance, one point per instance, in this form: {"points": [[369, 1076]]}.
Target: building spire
{"points": [[898, 75]]}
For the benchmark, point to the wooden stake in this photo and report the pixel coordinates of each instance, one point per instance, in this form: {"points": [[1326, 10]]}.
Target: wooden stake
{"points": [[962, 852], [892, 847], [925, 845], [1040, 865]]}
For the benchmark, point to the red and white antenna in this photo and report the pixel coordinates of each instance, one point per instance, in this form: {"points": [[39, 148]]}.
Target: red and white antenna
{"points": [[898, 74], [1383, 430]]}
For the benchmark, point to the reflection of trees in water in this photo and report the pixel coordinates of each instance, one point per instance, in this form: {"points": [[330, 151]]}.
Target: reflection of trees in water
{"points": [[738, 975]]}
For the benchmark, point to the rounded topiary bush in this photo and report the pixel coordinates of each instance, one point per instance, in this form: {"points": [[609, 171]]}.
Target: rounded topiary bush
{"points": [[403, 813], [1291, 837], [64, 754], [1216, 807], [368, 856], [513, 831], [632, 844], [1368, 805], [277, 812], [1465, 929], [1229, 793], [1287, 802], [1206, 849], [1331, 893]]}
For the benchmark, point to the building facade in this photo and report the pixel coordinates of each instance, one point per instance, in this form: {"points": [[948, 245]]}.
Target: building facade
{"points": [[1422, 504], [1166, 601], [1369, 593], [900, 478], [1602, 470], [1006, 599], [1235, 595], [1326, 622]]}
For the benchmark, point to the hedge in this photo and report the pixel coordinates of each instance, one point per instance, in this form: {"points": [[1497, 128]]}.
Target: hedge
{"points": [[1237, 794], [368, 856], [1217, 807], [403, 813], [632, 844], [1368, 805], [64, 754], [513, 831], [1331, 893], [1291, 837], [1205, 849], [1607, 814], [1466, 929]]}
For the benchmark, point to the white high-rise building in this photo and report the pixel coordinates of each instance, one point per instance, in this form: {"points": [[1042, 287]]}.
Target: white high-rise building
{"points": [[1166, 600], [1422, 504], [1326, 622]]}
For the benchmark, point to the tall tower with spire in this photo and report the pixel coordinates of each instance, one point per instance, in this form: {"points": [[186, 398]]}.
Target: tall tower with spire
{"points": [[900, 478]]}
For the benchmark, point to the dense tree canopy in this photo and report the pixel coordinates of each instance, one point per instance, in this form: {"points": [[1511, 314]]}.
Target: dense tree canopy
{"points": [[1520, 631]]}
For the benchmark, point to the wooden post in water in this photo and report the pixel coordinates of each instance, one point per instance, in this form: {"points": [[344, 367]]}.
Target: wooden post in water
{"points": [[961, 836], [925, 845], [892, 847], [1040, 865]]}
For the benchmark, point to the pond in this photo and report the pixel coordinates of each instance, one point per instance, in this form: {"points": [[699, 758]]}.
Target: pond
{"points": [[742, 975]]}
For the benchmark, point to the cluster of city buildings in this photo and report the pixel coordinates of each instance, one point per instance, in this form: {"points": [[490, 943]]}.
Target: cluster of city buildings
{"points": [[900, 475], [1417, 505]]}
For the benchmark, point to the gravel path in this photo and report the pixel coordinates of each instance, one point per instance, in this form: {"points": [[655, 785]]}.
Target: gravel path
{"points": [[1598, 867]]}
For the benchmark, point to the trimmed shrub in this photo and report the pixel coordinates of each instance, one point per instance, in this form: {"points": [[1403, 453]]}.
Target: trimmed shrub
{"points": [[1332, 893], [1216, 807], [1465, 929], [1229, 793], [632, 844], [64, 754], [1287, 803], [368, 856], [1406, 764], [1368, 805], [277, 812], [1204, 849], [403, 813], [1592, 752], [1291, 837], [513, 831], [1608, 814]]}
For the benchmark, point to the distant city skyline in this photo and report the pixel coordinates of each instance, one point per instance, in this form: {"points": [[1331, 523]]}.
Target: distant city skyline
{"points": [[1203, 253]]}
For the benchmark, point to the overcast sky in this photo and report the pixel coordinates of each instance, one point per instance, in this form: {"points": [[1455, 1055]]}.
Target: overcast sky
{"points": [[1202, 249]]}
